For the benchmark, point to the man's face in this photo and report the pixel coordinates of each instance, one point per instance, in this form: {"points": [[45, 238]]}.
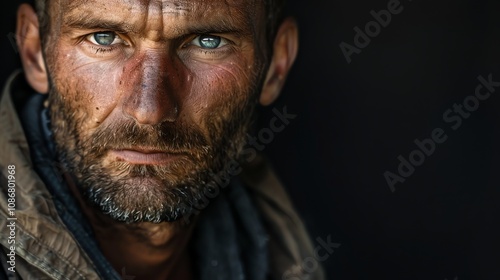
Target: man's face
{"points": [[149, 97]]}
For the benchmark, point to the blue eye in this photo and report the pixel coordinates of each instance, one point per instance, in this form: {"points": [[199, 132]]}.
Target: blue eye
{"points": [[209, 42], [105, 38]]}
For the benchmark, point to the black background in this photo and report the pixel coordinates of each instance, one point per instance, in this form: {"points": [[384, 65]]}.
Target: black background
{"points": [[354, 120]]}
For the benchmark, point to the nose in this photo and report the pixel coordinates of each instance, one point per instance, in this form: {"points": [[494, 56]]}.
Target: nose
{"points": [[151, 87]]}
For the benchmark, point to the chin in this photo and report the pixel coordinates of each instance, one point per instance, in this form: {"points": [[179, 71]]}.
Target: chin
{"points": [[144, 193]]}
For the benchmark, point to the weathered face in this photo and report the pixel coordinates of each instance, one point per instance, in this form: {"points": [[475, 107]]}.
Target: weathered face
{"points": [[149, 97]]}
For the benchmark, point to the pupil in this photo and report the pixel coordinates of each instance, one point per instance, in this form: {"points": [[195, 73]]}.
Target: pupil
{"points": [[105, 38], [210, 42]]}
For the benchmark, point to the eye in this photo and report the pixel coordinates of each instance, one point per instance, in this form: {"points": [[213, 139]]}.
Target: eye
{"points": [[105, 38], [209, 42]]}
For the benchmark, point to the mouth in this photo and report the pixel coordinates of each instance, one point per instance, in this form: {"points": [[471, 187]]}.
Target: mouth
{"points": [[145, 156]]}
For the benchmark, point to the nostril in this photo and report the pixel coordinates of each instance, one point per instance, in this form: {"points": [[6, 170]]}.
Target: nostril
{"points": [[151, 107]]}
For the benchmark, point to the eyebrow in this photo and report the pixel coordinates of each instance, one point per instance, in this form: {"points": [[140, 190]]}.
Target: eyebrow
{"points": [[216, 27], [98, 24]]}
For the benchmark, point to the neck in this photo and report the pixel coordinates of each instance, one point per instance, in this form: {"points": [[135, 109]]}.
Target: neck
{"points": [[144, 250], [141, 250]]}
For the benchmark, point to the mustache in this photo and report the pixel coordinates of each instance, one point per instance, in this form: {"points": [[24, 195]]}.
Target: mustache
{"points": [[163, 137]]}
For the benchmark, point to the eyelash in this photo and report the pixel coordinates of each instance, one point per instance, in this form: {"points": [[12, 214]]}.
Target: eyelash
{"points": [[101, 49]]}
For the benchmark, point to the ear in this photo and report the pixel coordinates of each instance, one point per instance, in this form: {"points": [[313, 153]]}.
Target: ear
{"points": [[30, 48], [286, 45]]}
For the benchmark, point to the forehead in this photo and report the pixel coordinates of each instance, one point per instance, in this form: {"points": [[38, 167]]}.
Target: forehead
{"points": [[229, 12], [167, 5]]}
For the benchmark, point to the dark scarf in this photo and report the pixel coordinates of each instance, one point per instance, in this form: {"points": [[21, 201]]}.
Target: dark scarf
{"points": [[229, 242]]}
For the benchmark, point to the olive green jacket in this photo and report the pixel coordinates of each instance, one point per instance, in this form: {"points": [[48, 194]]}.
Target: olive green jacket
{"points": [[46, 249]]}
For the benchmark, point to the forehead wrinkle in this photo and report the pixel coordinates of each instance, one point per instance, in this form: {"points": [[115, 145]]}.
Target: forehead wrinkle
{"points": [[176, 6], [168, 6], [180, 16]]}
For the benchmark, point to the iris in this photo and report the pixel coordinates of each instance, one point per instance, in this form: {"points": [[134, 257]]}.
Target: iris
{"points": [[105, 38], [209, 42]]}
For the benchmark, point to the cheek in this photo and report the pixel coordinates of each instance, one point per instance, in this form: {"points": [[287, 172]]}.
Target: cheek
{"points": [[91, 88], [217, 88]]}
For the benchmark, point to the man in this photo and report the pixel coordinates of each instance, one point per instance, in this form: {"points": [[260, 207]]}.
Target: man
{"points": [[116, 166]]}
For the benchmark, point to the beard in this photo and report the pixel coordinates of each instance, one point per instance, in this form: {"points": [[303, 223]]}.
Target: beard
{"points": [[133, 193]]}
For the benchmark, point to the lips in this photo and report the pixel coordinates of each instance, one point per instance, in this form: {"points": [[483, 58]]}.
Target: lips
{"points": [[145, 156]]}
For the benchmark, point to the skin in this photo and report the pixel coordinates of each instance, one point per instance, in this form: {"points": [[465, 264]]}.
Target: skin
{"points": [[154, 73]]}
